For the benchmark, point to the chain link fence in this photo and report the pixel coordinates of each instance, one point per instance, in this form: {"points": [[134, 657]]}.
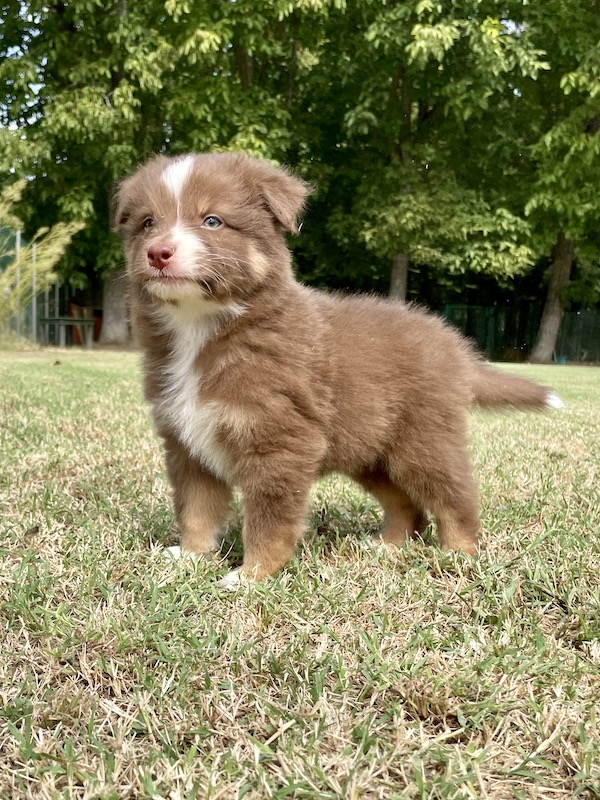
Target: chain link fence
{"points": [[502, 333], [507, 333]]}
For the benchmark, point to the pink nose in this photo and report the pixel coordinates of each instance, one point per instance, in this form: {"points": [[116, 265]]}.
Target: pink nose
{"points": [[159, 255]]}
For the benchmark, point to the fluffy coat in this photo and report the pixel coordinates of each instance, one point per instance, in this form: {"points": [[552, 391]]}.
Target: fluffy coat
{"points": [[259, 382]]}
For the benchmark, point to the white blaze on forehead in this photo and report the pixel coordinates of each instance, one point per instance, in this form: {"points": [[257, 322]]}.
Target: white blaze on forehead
{"points": [[188, 246], [176, 174]]}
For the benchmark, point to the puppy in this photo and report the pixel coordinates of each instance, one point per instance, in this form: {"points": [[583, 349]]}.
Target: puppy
{"points": [[258, 382]]}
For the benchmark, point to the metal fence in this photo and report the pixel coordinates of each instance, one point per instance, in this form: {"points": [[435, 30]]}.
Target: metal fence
{"points": [[30, 322], [579, 338], [502, 333], [507, 333]]}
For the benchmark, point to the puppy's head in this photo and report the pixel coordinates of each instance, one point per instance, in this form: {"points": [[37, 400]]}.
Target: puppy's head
{"points": [[208, 226]]}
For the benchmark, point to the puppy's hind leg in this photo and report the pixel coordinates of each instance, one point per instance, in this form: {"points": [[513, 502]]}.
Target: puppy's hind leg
{"points": [[445, 487], [402, 517], [457, 519]]}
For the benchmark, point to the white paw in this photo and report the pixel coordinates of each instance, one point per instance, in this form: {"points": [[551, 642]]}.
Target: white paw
{"points": [[554, 401], [172, 552], [233, 580], [176, 553]]}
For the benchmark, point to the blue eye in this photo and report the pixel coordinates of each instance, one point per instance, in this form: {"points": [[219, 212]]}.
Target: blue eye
{"points": [[212, 222]]}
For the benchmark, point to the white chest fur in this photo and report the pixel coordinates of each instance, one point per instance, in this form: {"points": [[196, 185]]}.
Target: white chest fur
{"points": [[193, 421]]}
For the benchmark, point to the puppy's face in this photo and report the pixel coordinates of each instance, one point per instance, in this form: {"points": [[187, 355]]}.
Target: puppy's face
{"points": [[207, 226]]}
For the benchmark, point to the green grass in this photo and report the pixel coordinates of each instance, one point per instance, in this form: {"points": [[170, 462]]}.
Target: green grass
{"points": [[356, 673]]}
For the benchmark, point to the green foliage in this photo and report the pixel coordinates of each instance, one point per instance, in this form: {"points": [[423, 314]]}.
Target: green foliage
{"points": [[94, 89], [33, 266], [416, 84], [564, 103], [415, 219], [465, 133]]}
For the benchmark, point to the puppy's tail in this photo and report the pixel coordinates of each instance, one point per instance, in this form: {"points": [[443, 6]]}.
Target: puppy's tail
{"points": [[495, 389]]}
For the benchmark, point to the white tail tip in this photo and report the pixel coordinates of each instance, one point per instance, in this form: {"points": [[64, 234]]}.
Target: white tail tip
{"points": [[554, 401]]}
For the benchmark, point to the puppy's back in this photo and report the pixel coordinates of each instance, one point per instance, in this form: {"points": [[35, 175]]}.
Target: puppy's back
{"points": [[397, 350]]}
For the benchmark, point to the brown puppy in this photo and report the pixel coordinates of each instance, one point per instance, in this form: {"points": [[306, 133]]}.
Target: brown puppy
{"points": [[259, 382]]}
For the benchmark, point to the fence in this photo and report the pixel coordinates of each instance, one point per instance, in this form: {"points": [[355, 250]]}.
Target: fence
{"points": [[31, 321], [502, 333], [53, 318], [507, 333], [579, 337]]}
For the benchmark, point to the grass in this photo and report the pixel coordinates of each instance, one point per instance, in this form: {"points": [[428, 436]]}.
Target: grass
{"points": [[356, 673]]}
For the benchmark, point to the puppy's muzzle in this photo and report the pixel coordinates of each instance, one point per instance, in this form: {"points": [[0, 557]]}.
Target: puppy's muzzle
{"points": [[159, 255]]}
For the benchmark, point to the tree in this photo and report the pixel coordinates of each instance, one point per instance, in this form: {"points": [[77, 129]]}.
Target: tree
{"points": [[564, 205], [91, 90], [559, 277], [72, 119], [427, 128], [495, 160], [414, 81]]}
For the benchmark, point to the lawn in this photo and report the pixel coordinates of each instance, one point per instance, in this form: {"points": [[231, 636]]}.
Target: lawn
{"points": [[356, 673]]}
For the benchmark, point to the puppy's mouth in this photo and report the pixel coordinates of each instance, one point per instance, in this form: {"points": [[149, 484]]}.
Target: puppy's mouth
{"points": [[163, 277], [165, 287]]}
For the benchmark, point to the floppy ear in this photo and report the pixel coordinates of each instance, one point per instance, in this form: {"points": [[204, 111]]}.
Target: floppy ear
{"points": [[120, 212], [128, 194], [282, 193]]}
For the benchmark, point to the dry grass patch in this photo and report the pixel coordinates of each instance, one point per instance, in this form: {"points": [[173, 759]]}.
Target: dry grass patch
{"points": [[356, 673]]}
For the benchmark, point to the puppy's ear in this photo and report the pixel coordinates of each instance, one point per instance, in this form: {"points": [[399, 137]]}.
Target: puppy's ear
{"points": [[283, 194], [119, 207], [132, 192]]}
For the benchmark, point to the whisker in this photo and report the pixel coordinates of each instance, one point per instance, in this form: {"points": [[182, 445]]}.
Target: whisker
{"points": [[221, 280], [228, 260]]}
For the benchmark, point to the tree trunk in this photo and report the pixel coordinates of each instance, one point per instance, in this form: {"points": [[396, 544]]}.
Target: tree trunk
{"points": [[560, 274], [245, 66], [399, 277], [115, 328]]}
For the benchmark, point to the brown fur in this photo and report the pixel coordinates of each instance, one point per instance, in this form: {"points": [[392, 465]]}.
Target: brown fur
{"points": [[285, 384]]}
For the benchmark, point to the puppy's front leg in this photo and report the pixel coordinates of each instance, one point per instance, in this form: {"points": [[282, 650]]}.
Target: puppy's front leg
{"points": [[201, 503], [274, 521]]}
